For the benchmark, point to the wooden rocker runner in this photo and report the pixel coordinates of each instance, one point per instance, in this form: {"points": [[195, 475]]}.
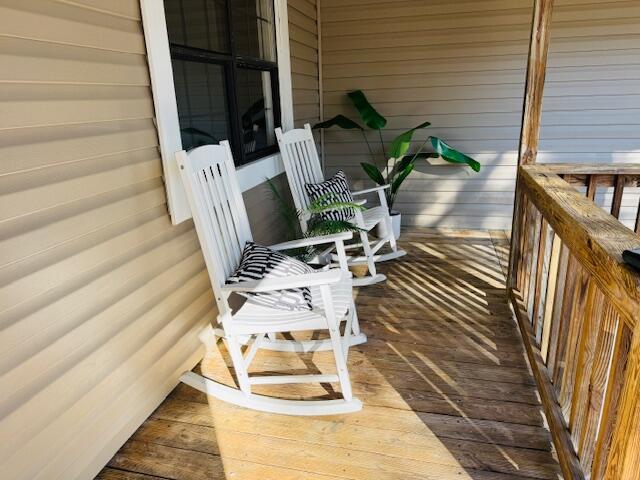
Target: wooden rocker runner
{"points": [[221, 221], [302, 165]]}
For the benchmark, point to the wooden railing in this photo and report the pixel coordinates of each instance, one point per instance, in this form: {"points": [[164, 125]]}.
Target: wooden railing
{"points": [[578, 307]]}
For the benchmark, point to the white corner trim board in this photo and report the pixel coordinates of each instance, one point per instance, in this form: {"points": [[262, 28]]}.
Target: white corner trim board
{"points": [[166, 109]]}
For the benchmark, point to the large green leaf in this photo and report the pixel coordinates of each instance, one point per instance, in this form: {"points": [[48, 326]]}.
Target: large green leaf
{"points": [[369, 115], [339, 121], [373, 173], [402, 142], [452, 155], [395, 186]]}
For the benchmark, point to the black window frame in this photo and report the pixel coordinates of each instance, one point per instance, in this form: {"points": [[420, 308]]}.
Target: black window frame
{"points": [[231, 62]]}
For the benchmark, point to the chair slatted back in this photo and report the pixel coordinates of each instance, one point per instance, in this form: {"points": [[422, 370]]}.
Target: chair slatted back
{"points": [[218, 209], [301, 163]]}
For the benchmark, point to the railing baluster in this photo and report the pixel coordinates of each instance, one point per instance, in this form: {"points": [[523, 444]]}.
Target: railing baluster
{"points": [[618, 190], [531, 259], [538, 284], [611, 399], [576, 314], [552, 279], [624, 456], [592, 186], [557, 319], [524, 240], [570, 286], [584, 363], [598, 373]]}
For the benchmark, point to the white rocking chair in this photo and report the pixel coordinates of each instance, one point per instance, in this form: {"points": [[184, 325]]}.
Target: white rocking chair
{"points": [[221, 221], [302, 165]]}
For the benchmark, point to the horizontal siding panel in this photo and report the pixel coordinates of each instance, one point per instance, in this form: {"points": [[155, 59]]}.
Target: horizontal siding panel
{"points": [[305, 7], [345, 11], [303, 21], [417, 23], [51, 227], [305, 97], [60, 191], [304, 67], [303, 36], [303, 33], [305, 82], [36, 61], [476, 222], [497, 91], [500, 34], [123, 8], [71, 143], [67, 24], [420, 197], [70, 104], [301, 51]]}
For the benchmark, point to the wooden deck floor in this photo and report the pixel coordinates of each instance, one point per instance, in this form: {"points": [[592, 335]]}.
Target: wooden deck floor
{"points": [[445, 384]]}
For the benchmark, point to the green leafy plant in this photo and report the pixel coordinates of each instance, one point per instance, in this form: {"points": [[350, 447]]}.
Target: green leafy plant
{"points": [[398, 162], [316, 225]]}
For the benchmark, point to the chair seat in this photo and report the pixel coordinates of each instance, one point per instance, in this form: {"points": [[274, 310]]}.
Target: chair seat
{"points": [[373, 216], [251, 315]]}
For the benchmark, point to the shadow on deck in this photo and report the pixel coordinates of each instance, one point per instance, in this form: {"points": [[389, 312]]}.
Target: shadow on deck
{"points": [[443, 377]]}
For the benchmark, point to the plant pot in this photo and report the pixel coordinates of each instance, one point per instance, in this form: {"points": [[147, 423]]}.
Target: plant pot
{"points": [[381, 229]]}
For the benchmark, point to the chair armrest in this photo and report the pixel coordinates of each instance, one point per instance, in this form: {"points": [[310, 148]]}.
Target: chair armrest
{"points": [[305, 242], [295, 281], [372, 189]]}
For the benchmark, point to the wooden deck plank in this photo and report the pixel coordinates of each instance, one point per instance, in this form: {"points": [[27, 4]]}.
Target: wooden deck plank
{"points": [[446, 389]]}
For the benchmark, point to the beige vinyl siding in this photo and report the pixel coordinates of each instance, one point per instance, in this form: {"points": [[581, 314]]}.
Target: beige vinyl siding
{"points": [[101, 298], [459, 65], [303, 42], [591, 108]]}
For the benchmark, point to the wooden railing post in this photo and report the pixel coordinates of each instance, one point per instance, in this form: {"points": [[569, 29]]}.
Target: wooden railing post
{"points": [[531, 111], [534, 86]]}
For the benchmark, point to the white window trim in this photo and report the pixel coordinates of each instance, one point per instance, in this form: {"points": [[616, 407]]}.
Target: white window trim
{"points": [[166, 109]]}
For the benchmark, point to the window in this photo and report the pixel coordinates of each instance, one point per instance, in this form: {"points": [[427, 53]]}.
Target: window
{"points": [[225, 73]]}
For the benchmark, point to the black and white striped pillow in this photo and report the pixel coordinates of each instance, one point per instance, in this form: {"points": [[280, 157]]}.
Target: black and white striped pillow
{"points": [[336, 189], [260, 262]]}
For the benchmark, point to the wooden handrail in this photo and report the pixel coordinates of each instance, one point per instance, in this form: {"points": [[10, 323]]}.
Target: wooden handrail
{"points": [[578, 307], [594, 237]]}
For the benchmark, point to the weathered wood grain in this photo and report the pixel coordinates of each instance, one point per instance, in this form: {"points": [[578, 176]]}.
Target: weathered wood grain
{"points": [[547, 315], [617, 372], [534, 84], [618, 191], [624, 457], [557, 320], [590, 328], [593, 236], [599, 374], [595, 368]]}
